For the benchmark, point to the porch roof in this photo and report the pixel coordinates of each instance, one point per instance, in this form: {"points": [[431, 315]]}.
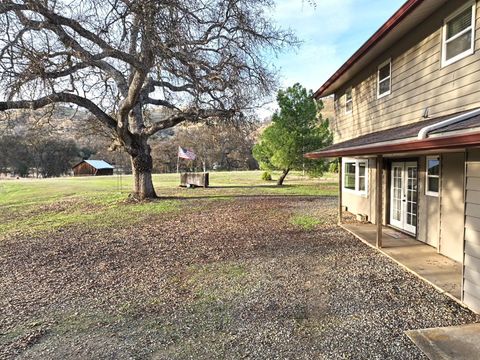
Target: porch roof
{"points": [[406, 138]]}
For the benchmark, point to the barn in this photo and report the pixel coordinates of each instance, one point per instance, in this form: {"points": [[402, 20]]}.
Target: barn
{"points": [[92, 168]]}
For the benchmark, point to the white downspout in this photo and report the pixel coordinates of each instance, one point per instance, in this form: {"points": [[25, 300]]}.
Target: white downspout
{"points": [[423, 133]]}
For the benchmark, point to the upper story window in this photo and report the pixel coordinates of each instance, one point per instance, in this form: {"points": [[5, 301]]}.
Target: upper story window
{"points": [[355, 176], [384, 79], [433, 176], [348, 101], [459, 35]]}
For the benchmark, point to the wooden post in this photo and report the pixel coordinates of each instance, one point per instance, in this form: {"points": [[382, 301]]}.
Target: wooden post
{"points": [[379, 201], [340, 172]]}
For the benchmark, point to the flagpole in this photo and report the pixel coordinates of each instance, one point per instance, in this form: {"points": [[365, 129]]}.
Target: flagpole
{"points": [[178, 158]]}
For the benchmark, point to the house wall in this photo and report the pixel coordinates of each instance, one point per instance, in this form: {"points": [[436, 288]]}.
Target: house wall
{"points": [[357, 204], [418, 82], [452, 205], [471, 270], [440, 218], [428, 228], [365, 204]]}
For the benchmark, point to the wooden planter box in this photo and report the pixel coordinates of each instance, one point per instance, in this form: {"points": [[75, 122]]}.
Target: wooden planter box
{"points": [[194, 180]]}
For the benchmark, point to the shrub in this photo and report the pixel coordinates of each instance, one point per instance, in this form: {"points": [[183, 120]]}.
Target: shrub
{"points": [[333, 167], [266, 176]]}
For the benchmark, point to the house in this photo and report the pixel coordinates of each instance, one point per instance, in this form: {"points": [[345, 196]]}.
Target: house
{"points": [[407, 131], [92, 168]]}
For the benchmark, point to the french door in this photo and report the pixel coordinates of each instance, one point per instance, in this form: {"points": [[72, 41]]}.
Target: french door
{"points": [[403, 196]]}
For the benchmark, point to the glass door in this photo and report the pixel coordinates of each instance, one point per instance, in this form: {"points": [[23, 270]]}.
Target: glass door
{"points": [[396, 197], [411, 197], [403, 197]]}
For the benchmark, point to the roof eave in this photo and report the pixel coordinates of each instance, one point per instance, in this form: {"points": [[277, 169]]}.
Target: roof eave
{"points": [[436, 143], [391, 23]]}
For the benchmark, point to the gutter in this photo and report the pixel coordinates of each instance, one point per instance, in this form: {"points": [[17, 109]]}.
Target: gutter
{"points": [[423, 133], [435, 143]]}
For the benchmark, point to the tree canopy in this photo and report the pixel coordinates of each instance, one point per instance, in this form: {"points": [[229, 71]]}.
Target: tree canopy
{"points": [[116, 59], [296, 128]]}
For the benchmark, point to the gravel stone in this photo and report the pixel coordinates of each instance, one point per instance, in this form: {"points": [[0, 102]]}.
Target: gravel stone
{"points": [[229, 279]]}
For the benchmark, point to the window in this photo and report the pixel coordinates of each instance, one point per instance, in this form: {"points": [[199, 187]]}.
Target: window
{"points": [[355, 175], [384, 76], [362, 176], [350, 177], [433, 176], [459, 35], [348, 101]]}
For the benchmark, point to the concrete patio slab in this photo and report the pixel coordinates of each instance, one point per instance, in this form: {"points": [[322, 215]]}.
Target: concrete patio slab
{"points": [[457, 342], [419, 258]]}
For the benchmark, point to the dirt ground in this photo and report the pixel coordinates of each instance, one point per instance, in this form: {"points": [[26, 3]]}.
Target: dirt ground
{"points": [[231, 278]]}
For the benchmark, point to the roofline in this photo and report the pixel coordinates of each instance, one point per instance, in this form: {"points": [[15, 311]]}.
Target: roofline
{"points": [[74, 166], [436, 143], [85, 160], [391, 23]]}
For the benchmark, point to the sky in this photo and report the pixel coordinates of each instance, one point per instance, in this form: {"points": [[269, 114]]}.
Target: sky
{"points": [[330, 33]]}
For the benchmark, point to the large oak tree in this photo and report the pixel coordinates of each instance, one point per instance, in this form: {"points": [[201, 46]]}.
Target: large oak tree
{"points": [[197, 59]]}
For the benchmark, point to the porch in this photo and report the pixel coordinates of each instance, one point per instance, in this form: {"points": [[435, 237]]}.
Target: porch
{"points": [[419, 258]]}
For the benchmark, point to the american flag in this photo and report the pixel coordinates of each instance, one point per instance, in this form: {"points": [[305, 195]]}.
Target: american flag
{"points": [[186, 154]]}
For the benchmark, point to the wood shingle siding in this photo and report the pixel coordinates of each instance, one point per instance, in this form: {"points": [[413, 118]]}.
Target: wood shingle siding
{"points": [[471, 280], [418, 81]]}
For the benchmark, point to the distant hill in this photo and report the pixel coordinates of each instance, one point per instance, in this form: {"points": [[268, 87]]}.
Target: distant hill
{"points": [[61, 120]]}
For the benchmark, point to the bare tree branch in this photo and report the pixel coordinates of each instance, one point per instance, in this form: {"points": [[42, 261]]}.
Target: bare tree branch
{"points": [[196, 60], [60, 98]]}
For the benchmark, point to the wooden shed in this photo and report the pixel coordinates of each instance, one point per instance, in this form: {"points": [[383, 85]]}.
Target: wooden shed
{"points": [[92, 168]]}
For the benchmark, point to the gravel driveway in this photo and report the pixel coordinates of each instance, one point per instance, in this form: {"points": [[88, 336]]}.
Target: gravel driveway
{"points": [[225, 279]]}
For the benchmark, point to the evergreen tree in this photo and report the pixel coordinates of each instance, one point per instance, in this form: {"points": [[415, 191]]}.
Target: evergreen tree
{"points": [[297, 128]]}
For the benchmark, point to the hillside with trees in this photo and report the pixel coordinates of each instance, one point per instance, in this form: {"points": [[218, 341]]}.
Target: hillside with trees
{"points": [[117, 60], [47, 143]]}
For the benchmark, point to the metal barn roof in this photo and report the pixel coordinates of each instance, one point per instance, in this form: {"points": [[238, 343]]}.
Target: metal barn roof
{"points": [[99, 164]]}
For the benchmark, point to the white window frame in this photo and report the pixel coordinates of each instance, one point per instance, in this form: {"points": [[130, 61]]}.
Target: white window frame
{"points": [[348, 101], [389, 78], [355, 191], [468, 52], [427, 176]]}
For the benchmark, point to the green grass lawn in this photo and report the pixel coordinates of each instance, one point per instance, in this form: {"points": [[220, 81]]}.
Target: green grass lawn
{"points": [[33, 205]]}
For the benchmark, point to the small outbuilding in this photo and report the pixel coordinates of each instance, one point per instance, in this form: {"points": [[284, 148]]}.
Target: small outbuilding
{"points": [[92, 168]]}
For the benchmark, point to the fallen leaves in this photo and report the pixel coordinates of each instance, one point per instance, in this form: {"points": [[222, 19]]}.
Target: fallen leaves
{"points": [[214, 279]]}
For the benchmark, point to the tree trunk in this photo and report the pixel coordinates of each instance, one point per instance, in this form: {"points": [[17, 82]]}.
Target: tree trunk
{"points": [[282, 177], [142, 166]]}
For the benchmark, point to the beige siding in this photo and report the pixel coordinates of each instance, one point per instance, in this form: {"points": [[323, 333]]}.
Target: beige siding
{"points": [[452, 206], [362, 204], [357, 204], [471, 279], [365, 204], [418, 81], [428, 230]]}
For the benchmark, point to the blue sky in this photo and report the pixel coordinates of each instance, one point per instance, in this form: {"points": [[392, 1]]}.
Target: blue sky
{"points": [[330, 33]]}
